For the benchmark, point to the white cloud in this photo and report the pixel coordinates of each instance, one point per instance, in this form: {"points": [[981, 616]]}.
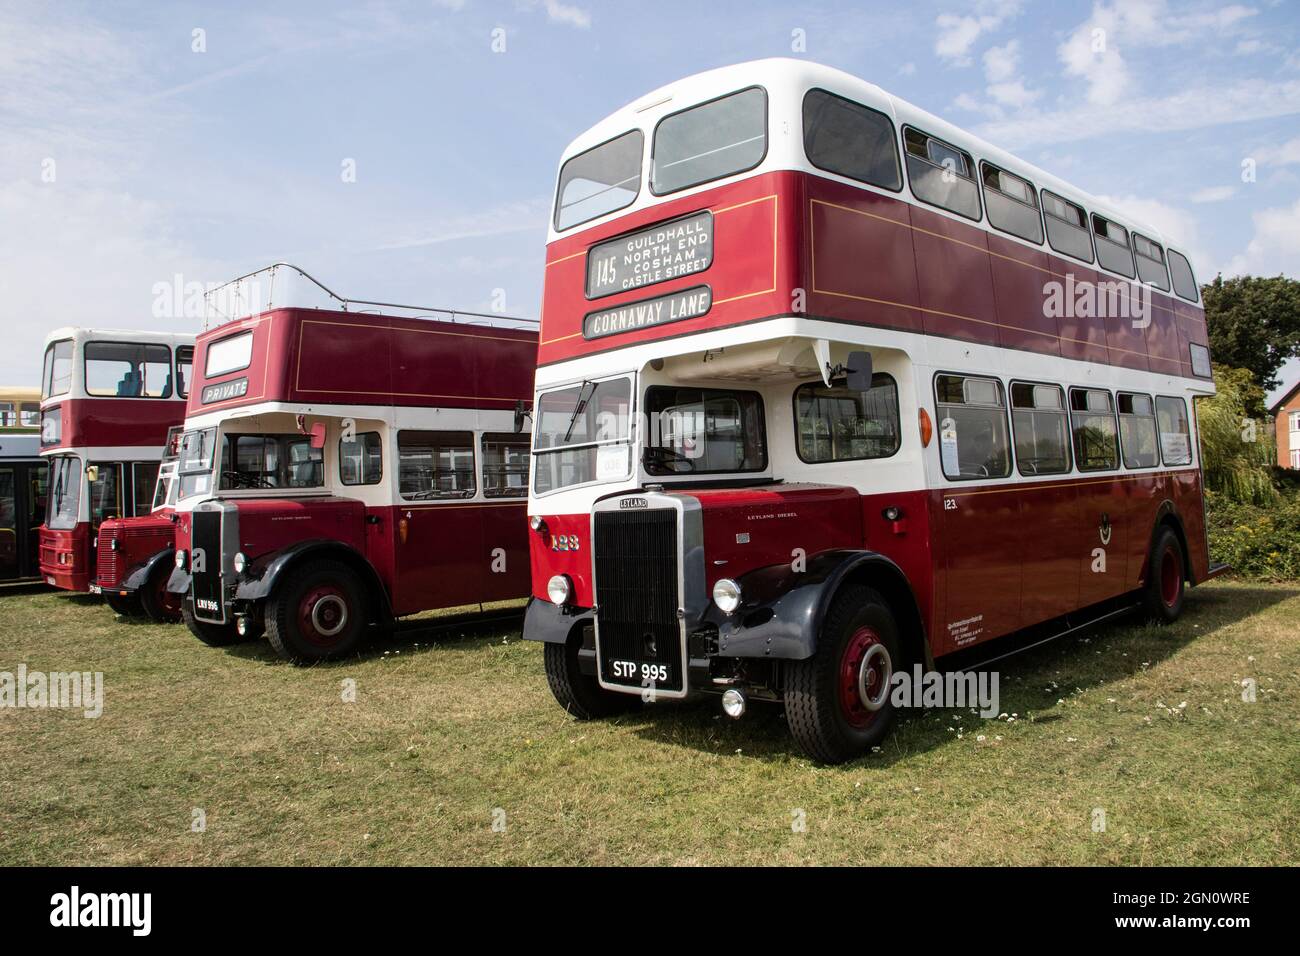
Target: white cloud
{"points": [[1275, 246], [1214, 194], [1006, 88], [559, 12], [1286, 154], [907, 69], [958, 32]]}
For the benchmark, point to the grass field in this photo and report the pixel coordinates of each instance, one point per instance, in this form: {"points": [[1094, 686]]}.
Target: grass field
{"points": [[445, 739]]}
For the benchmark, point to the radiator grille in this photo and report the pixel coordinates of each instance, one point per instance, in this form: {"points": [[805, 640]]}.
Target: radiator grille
{"points": [[636, 562], [206, 583]]}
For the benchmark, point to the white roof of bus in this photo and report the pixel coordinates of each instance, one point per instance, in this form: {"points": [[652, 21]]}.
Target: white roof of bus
{"points": [[80, 334], [644, 112]]}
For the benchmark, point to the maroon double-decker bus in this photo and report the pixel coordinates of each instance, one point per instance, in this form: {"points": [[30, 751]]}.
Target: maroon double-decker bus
{"points": [[828, 388], [108, 399], [346, 465]]}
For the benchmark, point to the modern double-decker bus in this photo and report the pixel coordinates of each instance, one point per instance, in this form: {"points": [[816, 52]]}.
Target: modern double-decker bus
{"points": [[134, 556], [22, 483], [346, 463], [828, 388], [108, 398]]}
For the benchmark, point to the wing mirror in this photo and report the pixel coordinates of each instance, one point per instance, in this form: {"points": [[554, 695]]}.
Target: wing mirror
{"points": [[858, 372], [318, 435]]}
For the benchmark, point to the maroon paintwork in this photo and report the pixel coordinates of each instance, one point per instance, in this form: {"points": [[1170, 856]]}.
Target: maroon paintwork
{"points": [[114, 422], [312, 356], [865, 259], [137, 540], [67, 559]]}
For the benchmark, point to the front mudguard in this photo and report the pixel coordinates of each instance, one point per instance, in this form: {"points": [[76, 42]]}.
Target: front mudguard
{"points": [[138, 578], [782, 609], [545, 622]]}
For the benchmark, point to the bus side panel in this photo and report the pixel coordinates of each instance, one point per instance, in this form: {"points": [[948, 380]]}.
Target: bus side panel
{"points": [[505, 546], [955, 279], [1082, 336], [1103, 518], [439, 564], [905, 542], [983, 568], [1145, 492], [1050, 542], [1186, 491], [1020, 275]]}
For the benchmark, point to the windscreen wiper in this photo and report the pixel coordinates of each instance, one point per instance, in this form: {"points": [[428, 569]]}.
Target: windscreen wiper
{"points": [[584, 396]]}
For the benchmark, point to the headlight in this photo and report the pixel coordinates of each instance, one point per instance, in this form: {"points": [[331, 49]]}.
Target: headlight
{"points": [[726, 595], [241, 562], [180, 557], [559, 590], [537, 523]]}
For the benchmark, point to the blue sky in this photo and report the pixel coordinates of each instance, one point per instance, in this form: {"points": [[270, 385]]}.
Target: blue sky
{"points": [[165, 161]]}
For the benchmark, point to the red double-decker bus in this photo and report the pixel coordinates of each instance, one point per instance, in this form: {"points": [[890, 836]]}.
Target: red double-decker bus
{"points": [[348, 463], [829, 388], [134, 555], [108, 398]]}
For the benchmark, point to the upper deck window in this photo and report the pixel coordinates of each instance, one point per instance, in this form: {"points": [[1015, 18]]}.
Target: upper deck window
{"points": [[599, 181], [184, 369], [128, 370], [56, 378], [230, 354], [1113, 250], [706, 142], [850, 140], [1067, 227], [1181, 272], [1151, 262], [1012, 204], [941, 175]]}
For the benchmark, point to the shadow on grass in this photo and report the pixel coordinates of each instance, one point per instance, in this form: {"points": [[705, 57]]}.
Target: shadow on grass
{"points": [[1031, 683]]}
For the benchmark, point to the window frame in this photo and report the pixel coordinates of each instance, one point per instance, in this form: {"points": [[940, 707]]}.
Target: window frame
{"points": [[632, 439], [379, 479], [893, 138], [472, 470], [639, 461], [559, 179], [47, 368], [970, 158], [1196, 288], [794, 412], [985, 165], [1086, 228], [1163, 262], [1293, 421], [498, 436], [1119, 430], [284, 463], [767, 140], [1006, 421], [176, 372], [1187, 417], [1093, 218], [1114, 418], [1065, 413], [171, 368], [207, 354]]}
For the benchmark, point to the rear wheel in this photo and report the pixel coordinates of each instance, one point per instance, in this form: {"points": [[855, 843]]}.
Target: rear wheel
{"points": [[579, 693], [213, 635], [1163, 597], [318, 614], [158, 604], [128, 606], [837, 702]]}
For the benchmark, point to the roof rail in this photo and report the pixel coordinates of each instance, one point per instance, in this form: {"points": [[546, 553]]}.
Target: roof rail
{"points": [[256, 292]]}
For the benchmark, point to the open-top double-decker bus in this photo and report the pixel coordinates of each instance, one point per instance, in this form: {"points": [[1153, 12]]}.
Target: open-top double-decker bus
{"points": [[348, 463], [108, 398], [829, 388], [134, 555], [22, 483]]}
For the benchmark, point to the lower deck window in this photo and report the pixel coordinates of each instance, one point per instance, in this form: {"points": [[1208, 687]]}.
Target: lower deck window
{"points": [[361, 460], [1175, 430], [1042, 429], [1092, 416], [836, 424], [505, 466], [270, 461], [435, 465], [972, 427], [704, 431], [1137, 431]]}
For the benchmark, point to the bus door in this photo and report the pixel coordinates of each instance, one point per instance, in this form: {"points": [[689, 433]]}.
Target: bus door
{"points": [[1102, 496], [982, 524], [1049, 503], [439, 541], [504, 468], [11, 549], [144, 485], [22, 509]]}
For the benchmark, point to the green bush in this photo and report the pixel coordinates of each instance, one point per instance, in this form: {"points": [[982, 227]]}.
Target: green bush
{"points": [[1260, 542]]}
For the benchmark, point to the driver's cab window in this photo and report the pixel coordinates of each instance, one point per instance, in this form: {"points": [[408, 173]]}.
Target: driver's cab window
{"points": [[270, 461], [704, 431], [105, 493], [972, 427]]}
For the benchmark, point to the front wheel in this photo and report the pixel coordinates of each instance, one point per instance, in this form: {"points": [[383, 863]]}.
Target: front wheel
{"points": [[1163, 598], [838, 701], [158, 604], [213, 635], [317, 614], [125, 606], [578, 693]]}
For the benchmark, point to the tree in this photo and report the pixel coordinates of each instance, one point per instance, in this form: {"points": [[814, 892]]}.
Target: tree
{"points": [[1237, 451], [1254, 323]]}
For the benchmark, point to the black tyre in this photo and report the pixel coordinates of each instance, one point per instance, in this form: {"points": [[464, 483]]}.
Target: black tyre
{"points": [[159, 605], [578, 693], [317, 614], [126, 606], [213, 635], [1162, 599], [837, 702]]}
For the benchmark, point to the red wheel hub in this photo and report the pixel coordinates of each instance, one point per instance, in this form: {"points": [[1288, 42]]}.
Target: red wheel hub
{"points": [[170, 603], [323, 614], [864, 675], [1171, 575]]}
